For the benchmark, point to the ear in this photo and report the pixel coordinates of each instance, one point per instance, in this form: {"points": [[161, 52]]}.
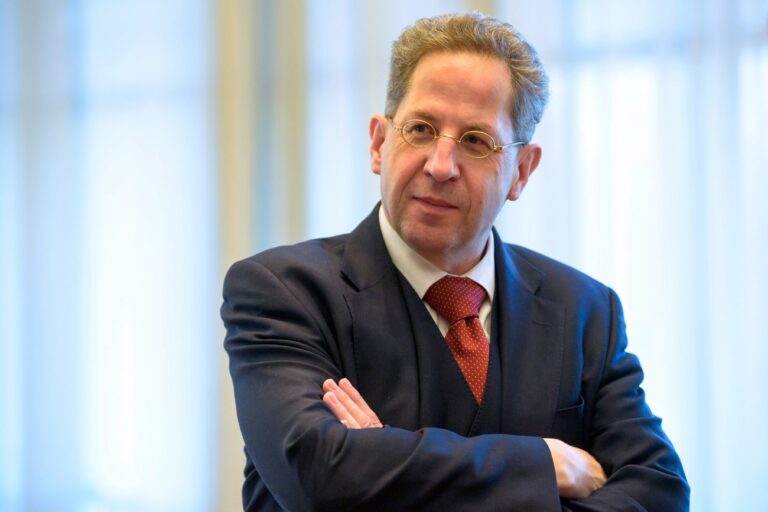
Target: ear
{"points": [[377, 129], [527, 161]]}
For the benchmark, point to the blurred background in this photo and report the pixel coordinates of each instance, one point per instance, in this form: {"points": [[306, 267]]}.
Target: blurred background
{"points": [[147, 145]]}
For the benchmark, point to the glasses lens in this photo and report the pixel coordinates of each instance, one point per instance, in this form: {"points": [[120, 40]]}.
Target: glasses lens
{"points": [[418, 133], [477, 144]]}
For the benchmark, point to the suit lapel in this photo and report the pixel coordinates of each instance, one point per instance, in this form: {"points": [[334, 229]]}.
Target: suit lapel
{"points": [[382, 341], [530, 341]]}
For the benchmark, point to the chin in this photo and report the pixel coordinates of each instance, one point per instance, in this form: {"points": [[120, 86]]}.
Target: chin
{"points": [[424, 240]]}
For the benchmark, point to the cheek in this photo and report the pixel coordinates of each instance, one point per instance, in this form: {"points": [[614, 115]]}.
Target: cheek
{"points": [[493, 192], [489, 200], [392, 186], [402, 168]]}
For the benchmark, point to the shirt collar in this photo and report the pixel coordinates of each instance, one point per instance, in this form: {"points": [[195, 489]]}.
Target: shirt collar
{"points": [[421, 274]]}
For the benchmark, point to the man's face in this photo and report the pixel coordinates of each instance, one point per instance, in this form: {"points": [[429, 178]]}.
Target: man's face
{"points": [[440, 201]]}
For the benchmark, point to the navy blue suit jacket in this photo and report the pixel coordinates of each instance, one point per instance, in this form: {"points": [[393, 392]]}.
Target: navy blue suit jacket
{"points": [[338, 307]]}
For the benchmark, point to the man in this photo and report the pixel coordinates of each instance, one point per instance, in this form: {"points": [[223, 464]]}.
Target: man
{"points": [[359, 386]]}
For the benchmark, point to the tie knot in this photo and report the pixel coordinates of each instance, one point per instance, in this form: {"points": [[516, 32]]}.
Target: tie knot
{"points": [[455, 298]]}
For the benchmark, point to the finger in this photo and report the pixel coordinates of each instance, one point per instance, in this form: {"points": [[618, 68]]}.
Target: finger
{"points": [[358, 400], [594, 466], [342, 406], [596, 475], [328, 385], [339, 410], [362, 419], [599, 477]]}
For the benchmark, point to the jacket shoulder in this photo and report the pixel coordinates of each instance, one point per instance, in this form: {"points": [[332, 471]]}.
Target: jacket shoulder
{"points": [[559, 281], [321, 255]]}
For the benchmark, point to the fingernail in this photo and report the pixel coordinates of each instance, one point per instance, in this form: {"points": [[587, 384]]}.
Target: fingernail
{"points": [[332, 398]]}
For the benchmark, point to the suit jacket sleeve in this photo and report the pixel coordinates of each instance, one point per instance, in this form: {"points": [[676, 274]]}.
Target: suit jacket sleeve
{"points": [[644, 471], [281, 349]]}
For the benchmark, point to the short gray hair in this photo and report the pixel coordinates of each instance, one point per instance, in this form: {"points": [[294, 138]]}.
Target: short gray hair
{"points": [[474, 33]]}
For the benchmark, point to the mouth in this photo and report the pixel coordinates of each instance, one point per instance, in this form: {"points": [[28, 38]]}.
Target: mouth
{"points": [[434, 202]]}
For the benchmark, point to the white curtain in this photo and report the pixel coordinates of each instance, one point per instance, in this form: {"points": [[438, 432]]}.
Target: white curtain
{"points": [[109, 272], [653, 178]]}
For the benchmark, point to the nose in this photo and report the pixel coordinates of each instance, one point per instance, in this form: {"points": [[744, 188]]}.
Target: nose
{"points": [[441, 164]]}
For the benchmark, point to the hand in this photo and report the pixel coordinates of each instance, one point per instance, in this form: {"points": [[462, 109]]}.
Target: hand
{"points": [[578, 473], [348, 405]]}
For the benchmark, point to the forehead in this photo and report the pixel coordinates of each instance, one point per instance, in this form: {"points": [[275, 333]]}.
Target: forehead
{"points": [[461, 84]]}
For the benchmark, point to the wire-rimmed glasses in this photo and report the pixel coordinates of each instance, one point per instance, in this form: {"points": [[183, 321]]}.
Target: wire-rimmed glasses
{"points": [[473, 143]]}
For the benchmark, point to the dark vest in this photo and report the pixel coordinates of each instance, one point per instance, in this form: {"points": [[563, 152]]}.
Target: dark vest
{"points": [[445, 400]]}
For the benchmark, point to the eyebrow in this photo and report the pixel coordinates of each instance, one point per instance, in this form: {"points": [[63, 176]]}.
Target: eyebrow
{"points": [[468, 127]]}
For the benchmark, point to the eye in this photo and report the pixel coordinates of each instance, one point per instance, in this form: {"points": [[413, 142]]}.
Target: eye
{"points": [[418, 128], [418, 132], [472, 139], [477, 144]]}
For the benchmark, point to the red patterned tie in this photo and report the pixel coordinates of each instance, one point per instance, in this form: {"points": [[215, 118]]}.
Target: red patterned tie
{"points": [[458, 300]]}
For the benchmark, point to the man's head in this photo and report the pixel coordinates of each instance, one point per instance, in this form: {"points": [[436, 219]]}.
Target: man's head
{"points": [[479, 34], [439, 194]]}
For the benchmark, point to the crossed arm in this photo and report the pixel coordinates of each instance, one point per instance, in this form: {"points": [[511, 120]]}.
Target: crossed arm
{"points": [[283, 351], [578, 473]]}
